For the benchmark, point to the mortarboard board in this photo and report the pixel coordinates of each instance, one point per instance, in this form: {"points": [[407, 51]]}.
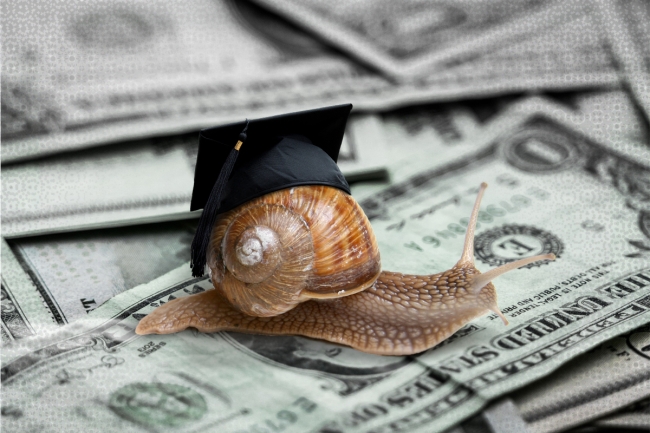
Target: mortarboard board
{"points": [[280, 152]]}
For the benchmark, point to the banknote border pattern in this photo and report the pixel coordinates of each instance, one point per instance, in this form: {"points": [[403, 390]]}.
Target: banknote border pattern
{"points": [[94, 337]]}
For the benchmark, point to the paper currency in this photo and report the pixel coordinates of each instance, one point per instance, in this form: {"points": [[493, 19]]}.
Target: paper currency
{"points": [[73, 273], [120, 258], [413, 38], [614, 116], [635, 416], [227, 382], [447, 131], [593, 295], [103, 71], [602, 381], [22, 310], [569, 173], [451, 130], [145, 181], [520, 159], [74, 81], [605, 117], [111, 185], [626, 24]]}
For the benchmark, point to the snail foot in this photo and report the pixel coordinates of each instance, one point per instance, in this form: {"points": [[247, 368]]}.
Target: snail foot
{"points": [[207, 311]]}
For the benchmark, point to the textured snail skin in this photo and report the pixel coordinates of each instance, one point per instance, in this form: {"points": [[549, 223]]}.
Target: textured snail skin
{"points": [[388, 314], [398, 315]]}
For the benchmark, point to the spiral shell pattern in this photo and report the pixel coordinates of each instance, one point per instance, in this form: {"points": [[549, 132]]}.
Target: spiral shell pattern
{"points": [[268, 252], [321, 246]]}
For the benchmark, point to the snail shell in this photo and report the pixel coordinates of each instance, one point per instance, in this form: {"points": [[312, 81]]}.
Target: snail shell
{"points": [[292, 245]]}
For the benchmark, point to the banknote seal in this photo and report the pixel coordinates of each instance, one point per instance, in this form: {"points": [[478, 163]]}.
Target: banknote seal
{"points": [[512, 241], [157, 404]]}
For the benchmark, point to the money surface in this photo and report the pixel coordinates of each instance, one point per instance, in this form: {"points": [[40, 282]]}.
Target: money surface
{"points": [[635, 416], [613, 116], [101, 103], [23, 312], [626, 24], [447, 132], [73, 273], [135, 383], [451, 130], [599, 382], [74, 81], [145, 181], [592, 296], [518, 163], [410, 38], [100, 187]]}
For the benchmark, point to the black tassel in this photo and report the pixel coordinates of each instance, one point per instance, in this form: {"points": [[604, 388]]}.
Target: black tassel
{"points": [[201, 239]]}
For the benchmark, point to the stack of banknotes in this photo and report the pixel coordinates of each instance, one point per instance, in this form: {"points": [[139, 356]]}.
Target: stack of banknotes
{"points": [[546, 101]]}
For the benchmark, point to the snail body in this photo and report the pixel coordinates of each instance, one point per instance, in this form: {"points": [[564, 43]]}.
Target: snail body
{"points": [[304, 261]]}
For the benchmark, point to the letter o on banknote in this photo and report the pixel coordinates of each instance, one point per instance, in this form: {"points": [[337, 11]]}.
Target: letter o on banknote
{"points": [[539, 150]]}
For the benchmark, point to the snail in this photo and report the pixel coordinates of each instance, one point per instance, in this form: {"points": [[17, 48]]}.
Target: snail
{"points": [[304, 261]]}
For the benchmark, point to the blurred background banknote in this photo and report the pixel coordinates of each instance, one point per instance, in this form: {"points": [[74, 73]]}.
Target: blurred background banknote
{"points": [[546, 101], [101, 72], [144, 181], [609, 385]]}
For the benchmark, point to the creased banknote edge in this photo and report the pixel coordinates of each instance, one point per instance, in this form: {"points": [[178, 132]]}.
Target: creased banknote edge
{"points": [[100, 315], [592, 410], [24, 293], [25, 149], [625, 50], [106, 224], [365, 51]]}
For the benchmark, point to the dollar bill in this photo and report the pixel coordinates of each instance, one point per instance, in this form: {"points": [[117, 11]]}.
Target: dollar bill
{"points": [[73, 273], [146, 181], [102, 374], [421, 215], [608, 118], [50, 262], [74, 81], [601, 381], [613, 116], [120, 381], [626, 25], [415, 38], [635, 416], [117, 259], [448, 131], [22, 310], [99, 187], [451, 130]]}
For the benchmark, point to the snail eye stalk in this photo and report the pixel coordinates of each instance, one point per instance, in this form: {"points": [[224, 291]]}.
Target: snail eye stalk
{"points": [[481, 280]]}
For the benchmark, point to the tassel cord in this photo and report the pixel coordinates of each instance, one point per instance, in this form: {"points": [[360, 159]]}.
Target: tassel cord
{"points": [[201, 240]]}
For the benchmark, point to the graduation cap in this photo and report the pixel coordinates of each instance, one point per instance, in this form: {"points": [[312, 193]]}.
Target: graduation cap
{"points": [[280, 152]]}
